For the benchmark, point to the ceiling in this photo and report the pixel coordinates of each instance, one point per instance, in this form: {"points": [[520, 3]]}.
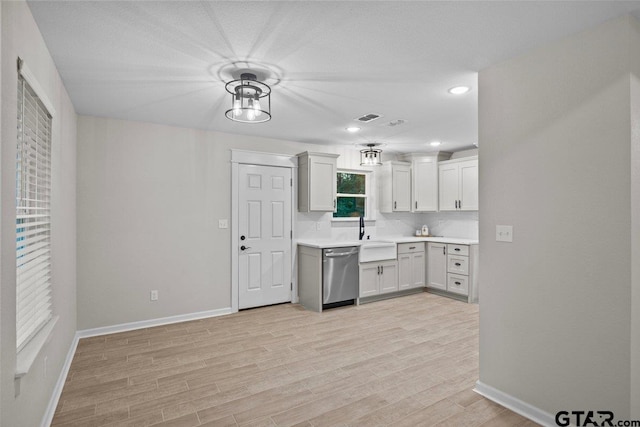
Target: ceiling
{"points": [[327, 62]]}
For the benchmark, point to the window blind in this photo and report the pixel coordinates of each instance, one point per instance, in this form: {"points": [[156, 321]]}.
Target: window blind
{"points": [[33, 215]]}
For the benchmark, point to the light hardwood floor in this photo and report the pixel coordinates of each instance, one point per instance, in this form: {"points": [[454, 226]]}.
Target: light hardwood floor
{"points": [[407, 361]]}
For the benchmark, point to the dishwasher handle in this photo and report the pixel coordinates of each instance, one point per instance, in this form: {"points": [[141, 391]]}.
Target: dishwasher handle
{"points": [[339, 254]]}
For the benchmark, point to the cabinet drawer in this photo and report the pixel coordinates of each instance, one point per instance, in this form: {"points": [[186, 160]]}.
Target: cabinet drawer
{"points": [[458, 284], [458, 249], [407, 248], [458, 264]]}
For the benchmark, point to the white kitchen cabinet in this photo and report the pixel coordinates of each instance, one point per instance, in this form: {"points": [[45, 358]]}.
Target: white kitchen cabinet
{"points": [[437, 266], [378, 277], [453, 270], [458, 184], [411, 265], [424, 180], [317, 174], [395, 187]]}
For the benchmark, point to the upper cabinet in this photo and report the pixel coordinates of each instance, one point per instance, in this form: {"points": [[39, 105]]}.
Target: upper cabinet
{"points": [[395, 187], [317, 182], [424, 180], [458, 184]]}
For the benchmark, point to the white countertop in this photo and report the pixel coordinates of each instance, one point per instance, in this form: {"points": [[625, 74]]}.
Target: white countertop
{"points": [[327, 243]]}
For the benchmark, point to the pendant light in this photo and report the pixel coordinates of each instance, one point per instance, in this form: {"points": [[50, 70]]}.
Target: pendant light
{"points": [[250, 100], [371, 156]]}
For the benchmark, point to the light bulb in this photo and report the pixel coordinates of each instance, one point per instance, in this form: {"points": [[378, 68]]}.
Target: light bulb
{"points": [[237, 106], [251, 114], [256, 107]]}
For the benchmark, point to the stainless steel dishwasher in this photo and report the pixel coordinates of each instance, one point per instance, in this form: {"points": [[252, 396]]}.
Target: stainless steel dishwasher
{"points": [[340, 276]]}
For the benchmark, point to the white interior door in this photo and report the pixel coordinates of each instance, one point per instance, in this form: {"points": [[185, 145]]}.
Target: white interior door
{"points": [[264, 226]]}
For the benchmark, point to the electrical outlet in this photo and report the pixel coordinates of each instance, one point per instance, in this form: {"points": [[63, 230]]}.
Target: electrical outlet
{"points": [[504, 233], [154, 295], [223, 223]]}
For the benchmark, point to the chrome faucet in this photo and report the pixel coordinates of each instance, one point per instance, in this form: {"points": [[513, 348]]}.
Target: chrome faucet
{"points": [[361, 228]]}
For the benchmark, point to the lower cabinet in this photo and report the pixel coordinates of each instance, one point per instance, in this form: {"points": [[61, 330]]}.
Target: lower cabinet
{"points": [[378, 278], [411, 265], [453, 269], [437, 266]]}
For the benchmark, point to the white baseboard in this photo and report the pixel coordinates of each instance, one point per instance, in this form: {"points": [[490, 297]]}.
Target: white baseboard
{"points": [[123, 327], [516, 405], [57, 390]]}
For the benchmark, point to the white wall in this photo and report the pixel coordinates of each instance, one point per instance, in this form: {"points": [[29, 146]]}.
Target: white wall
{"points": [[635, 219], [149, 201], [20, 37], [556, 307]]}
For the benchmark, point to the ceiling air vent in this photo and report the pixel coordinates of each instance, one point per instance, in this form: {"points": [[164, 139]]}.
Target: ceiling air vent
{"points": [[368, 118]]}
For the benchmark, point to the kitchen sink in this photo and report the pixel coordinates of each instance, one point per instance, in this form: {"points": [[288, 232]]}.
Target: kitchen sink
{"points": [[377, 250]]}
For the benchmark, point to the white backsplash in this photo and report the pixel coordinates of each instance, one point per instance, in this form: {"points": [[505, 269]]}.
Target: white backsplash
{"points": [[452, 224], [449, 224]]}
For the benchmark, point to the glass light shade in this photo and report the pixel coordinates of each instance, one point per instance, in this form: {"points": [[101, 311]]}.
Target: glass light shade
{"points": [[250, 100], [370, 157]]}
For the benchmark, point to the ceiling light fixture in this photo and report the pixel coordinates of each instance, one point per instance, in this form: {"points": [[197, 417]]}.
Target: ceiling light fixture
{"points": [[353, 129], [250, 100], [435, 143], [459, 90], [371, 156]]}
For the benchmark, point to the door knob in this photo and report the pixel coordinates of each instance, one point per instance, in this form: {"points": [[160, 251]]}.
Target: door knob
{"points": [[244, 248]]}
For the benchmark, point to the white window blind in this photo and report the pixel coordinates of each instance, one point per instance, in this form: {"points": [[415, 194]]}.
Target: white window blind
{"points": [[33, 220]]}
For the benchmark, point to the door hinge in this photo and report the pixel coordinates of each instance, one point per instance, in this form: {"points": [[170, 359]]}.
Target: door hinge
{"points": [[291, 182], [292, 286], [291, 233]]}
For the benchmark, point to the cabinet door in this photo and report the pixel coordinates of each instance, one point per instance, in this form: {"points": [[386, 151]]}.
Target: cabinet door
{"points": [[389, 277], [322, 183], [425, 186], [437, 266], [468, 185], [405, 271], [417, 269], [369, 279], [448, 186], [401, 177]]}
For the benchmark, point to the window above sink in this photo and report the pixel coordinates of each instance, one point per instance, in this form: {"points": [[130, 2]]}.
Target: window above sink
{"points": [[354, 195]]}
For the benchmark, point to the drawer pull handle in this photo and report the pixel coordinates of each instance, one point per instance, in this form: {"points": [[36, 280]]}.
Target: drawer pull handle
{"points": [[457, 249], [458, 283], [458, 264], [412, 247]]}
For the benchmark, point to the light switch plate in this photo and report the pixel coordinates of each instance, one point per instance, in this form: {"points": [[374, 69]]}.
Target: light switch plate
{"points": [[223, 223], [504, 233]]}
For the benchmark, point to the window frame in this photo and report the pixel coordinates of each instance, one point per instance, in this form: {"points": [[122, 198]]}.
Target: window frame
{"points": [[28, 349], [368, 195]]}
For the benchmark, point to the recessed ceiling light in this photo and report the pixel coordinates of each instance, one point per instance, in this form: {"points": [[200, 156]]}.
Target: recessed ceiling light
{"points": [[435, 143], [459, 90], [353, 129]]}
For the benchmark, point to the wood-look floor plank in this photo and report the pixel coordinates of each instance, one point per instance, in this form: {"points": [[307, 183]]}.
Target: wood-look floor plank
{"points": [[408, 361]]}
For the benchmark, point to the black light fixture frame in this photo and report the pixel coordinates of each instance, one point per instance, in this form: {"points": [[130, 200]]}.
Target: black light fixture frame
{"points": [[244, 92], [369, 154]]}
